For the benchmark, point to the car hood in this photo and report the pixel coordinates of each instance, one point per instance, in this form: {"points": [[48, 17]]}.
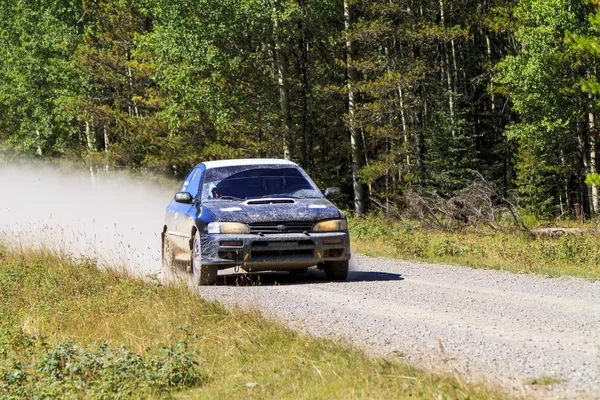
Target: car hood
{"points": [[272, 210]]}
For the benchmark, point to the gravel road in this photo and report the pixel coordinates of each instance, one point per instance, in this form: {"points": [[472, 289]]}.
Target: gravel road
{"points": [[484, 325]]}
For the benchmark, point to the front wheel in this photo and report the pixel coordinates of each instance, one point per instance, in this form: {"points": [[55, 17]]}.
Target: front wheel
{"points": [[336, 270], [203, 274]]}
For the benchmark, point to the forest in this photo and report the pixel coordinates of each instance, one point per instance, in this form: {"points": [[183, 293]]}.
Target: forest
{"points": [[387, 99]]}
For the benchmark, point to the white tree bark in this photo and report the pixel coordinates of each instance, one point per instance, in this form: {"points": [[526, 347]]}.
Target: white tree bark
{"points": [[593, 161], [355, 134], [284, 93]]}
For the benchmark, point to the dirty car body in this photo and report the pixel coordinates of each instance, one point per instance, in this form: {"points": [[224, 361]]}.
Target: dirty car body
{"points": [[256, 214]]}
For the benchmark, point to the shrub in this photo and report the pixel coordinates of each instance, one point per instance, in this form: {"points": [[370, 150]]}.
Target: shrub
{"points": [[33, 369]]}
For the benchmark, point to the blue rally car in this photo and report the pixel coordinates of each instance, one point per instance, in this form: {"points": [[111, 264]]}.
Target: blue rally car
{"points": [[256, 214]]}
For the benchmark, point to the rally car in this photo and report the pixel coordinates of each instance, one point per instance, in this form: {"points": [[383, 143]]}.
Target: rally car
{"points": [[255, 214]]}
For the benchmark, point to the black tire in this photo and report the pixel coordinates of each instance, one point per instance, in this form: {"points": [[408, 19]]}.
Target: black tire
{"points": [[168, 255], [336, 270], [203, 274]]}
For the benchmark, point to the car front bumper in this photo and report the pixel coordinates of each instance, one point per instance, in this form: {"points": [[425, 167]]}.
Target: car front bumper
{"points": [[285, 251]]}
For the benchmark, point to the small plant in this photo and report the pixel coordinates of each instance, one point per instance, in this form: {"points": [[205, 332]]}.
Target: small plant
{"points": [[543, 380], [68, 370], [447, 247]]}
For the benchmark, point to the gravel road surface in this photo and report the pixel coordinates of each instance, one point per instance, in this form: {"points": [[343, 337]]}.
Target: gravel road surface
{"points": [[504, 328]]}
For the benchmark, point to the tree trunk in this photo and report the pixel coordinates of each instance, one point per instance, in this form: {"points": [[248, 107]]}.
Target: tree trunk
{"points": [[489, 54], [403, 119], [592, 146], [284, 94], [565, 183], [106, 139], [306, 122], [355, 133], [584, 194], [447, 70], [89, 136]]}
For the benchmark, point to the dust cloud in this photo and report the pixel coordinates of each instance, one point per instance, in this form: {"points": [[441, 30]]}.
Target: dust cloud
{"points": [[109, 217]]}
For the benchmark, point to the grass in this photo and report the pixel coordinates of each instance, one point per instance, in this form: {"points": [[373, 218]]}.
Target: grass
{"points": [[509, 250], [70, 330], [543, 381]]}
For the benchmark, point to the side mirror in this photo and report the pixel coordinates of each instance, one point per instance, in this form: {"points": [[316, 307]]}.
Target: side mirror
{"points": [[332, 192], [184, 197]]}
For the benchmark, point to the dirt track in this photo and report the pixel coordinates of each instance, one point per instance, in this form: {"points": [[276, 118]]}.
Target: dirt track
{"points": [[504, 328], [490, 325]]}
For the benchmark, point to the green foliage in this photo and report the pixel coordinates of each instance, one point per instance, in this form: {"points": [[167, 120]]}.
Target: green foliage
{"points": [[33, 368], [442, 89], [36, 74], [535, 180], [448, 247], [549, 80], [592, 179]]}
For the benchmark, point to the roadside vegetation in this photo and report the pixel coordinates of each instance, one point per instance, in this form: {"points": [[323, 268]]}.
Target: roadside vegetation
{"points": [[70, 330], [508, 248]]}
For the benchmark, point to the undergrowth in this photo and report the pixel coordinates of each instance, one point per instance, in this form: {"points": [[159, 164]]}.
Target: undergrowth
{"points": [[508, 249], [69, 330]]}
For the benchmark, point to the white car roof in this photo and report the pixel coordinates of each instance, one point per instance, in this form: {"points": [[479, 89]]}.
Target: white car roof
{"points": [[247, 161]]}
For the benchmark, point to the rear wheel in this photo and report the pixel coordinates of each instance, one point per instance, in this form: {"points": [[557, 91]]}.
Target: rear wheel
{"points": [[203, 274], [336, 270]]}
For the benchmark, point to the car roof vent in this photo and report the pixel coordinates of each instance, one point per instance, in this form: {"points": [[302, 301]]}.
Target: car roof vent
{"points": [[269, 201]]}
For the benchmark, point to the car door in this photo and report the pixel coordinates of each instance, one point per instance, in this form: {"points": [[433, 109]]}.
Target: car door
{"points": [[177, 231], [188, 212]]}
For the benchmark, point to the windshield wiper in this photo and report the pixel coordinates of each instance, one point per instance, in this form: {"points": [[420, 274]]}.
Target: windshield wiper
{"points": [[227, 198], [275, 196]]}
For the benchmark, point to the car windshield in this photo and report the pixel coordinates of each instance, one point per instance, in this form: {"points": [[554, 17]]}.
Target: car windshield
{"points": [[243, 182]]}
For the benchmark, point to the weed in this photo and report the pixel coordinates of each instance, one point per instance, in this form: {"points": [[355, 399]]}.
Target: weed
{"points": [[447, 247], [33, 369], [543, 380]]}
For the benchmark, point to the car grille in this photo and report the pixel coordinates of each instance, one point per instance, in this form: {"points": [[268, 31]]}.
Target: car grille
{"points": [[282, 249], [281, 227], [282, 253]]}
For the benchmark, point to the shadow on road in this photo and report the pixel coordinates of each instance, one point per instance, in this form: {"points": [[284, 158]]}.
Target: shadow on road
{"points": [[373, 276], [230, 277], [312, 276]]}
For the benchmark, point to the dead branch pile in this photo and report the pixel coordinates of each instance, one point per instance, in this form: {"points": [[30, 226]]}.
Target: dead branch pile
{"points": [[479, 204]]}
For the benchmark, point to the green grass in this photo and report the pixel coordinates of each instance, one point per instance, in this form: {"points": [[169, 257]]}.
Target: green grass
{"points": [[510, 249], [69, 330], [543, 381]]}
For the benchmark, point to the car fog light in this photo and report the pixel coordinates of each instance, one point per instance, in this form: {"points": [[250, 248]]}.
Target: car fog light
{"points": [[231, 243]]}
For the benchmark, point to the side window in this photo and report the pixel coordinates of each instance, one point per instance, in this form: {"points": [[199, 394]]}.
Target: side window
{"points": [[194, 185], [185, 186]]}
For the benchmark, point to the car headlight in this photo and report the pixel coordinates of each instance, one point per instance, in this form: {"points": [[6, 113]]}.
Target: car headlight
{"points": [[331, 225], [228, 227]]}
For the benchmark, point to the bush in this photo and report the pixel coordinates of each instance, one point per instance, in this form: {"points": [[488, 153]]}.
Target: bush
{"points": [[33, 369]]}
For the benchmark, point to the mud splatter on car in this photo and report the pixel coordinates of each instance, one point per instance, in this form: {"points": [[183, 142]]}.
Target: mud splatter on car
{"points": [[255, 214]]}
